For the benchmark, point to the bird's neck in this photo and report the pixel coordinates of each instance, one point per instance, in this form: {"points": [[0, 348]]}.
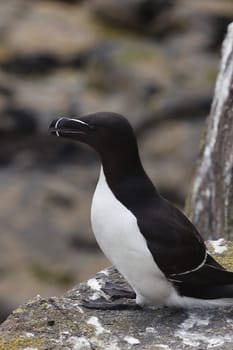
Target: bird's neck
{"points": [[122, 165], [127, 178]]}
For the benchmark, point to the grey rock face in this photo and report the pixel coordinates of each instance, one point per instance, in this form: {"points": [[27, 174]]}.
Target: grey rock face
{"points": [[212, 190]]}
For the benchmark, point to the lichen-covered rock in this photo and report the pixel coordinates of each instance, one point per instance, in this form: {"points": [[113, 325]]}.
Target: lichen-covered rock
{"points": [[62, 323], [212, 190]]}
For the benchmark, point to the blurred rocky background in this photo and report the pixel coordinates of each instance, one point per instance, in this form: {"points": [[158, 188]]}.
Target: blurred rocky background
{"points": [[155, 61]]}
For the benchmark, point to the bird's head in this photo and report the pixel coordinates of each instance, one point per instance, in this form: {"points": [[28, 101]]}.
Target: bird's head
{"points": [[104, 131]]}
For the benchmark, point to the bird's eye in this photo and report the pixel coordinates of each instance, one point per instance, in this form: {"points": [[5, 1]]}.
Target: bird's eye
{"points": [[95, 127], [92, 127]]}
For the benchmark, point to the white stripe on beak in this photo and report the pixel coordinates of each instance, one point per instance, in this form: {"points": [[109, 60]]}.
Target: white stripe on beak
{"points": [[79, 121], [56, 125]]}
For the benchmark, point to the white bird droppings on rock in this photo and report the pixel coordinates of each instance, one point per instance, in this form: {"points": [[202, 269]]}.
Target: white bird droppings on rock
{"points": [[221, 96], [105, 272], [94, 284], [95, 296], [79, 343], [194, 320], [131, 340], [197, 338], [218, 246], [29, 335], [150, 330], [94, 321]]}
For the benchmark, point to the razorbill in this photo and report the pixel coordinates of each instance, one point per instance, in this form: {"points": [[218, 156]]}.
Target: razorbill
{"points": [[150, 242]]}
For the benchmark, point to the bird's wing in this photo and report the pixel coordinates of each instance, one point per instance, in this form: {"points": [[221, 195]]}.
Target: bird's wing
{"points": [[173, 241], [180, 252]]}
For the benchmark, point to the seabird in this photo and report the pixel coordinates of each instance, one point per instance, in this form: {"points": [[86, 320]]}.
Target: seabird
{"points": [[150, 242]]}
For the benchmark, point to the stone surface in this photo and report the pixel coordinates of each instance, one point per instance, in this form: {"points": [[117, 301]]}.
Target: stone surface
{"points": [[212, 191], [62, 323]]}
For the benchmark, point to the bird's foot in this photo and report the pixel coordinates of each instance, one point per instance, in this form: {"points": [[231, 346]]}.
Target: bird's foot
{"points": [[102, 304], [114, 293], [117, 293]]}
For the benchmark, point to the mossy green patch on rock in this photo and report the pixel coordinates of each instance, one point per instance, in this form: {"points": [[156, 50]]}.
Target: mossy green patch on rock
{"points": [[135, 54], [20, 342], [226, 257], [19, 310]]}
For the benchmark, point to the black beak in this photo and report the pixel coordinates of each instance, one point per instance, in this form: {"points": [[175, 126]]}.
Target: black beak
{"points": [[66, 127]]}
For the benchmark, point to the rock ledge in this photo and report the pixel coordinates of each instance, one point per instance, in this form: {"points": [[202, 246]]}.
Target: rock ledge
{"points": [[61, 323]]}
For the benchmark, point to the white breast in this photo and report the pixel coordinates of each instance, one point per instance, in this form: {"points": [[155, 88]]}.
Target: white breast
{"points": [[118, 235]]}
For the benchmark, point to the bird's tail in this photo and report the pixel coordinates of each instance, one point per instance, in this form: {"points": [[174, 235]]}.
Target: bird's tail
{"points": [[210, 291], [211, 281]]}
